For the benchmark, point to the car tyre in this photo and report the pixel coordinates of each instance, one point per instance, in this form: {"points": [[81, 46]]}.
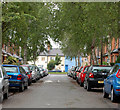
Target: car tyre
{"points": [[6, 95], [113, 96], [1, 98], [88, 86], [21, 89], [105, 95], [26, 87], [84, 84], [81, 84]]}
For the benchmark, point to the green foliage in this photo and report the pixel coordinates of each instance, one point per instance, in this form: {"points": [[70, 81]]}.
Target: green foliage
{"points": [[112, 64], [57, 60], [51, 65], [11, 60], [105, 63], [118, 60]]}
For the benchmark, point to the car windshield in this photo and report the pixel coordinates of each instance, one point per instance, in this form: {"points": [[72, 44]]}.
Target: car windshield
{"points": [[101, 69], [26, 68], [86, 68], [11, 69]]}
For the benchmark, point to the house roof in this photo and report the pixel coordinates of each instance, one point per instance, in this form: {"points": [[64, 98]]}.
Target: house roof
{"points": [[52, 52]]}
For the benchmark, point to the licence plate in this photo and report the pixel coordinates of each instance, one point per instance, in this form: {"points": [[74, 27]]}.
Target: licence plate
{"points": [[100, 81], [10, 76]]}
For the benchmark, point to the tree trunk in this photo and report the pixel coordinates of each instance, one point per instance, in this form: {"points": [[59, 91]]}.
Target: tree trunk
{"points": [[101, 52], [75, 61], [78, 60], [0, 50], [25, 54], [109, 49], [95, 58]]}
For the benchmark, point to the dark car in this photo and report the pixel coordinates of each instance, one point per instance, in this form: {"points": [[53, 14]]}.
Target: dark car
{"points": [[28, 72], [95, 76]]}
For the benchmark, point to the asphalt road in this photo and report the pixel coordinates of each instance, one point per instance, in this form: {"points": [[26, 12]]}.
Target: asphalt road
{"points": [[57, 91]]}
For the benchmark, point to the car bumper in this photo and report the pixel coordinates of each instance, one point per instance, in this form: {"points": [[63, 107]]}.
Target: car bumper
{"points": [[116, 88], [96, 83], [15, 83]]}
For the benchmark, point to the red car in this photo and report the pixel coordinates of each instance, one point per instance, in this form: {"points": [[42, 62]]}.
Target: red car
{"points": [[82, 74], [28, 72]]}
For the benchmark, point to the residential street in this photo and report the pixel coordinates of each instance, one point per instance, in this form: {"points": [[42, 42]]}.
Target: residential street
{"points": [[57, 91]]}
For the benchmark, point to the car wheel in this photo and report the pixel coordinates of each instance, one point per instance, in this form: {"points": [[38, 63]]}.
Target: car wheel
{"points": [[84, 84], [105, 95], [88, 86], [1, 98], [81, 84], [21, 89], [113, 96], [6, 95], [26, 87]]}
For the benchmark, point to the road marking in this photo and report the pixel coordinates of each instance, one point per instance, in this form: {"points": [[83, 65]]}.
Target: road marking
{"points": [[58, 81], [48, 81]]}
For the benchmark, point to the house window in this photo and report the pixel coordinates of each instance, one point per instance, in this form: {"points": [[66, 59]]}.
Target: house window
{"points": [[119, 43], [43, 58], [85, 59], [116, 57], [112, 59]]}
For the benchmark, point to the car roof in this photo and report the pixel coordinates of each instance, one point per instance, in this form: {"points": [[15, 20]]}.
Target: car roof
{"points": [[10, 65], [101, 65]]}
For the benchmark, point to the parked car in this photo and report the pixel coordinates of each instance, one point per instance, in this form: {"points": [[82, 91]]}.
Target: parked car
{"points": [[95, 76], [4, 84], [69, 73], [45, 72], [75, 69], [78, 73], [18, 77], [112, 83], [82, 75], [28, 72], [41, 72], [35, 72]]}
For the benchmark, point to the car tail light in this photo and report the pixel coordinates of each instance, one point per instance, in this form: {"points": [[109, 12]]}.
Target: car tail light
{"points": [[117, 89], [118, 74], [91, 75], [19, 77]]}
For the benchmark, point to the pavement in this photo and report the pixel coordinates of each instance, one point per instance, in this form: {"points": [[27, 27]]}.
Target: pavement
{"points": [[57, 91]]}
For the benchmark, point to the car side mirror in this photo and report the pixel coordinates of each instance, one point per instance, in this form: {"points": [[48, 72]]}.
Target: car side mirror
{"points": [[6, 77]]}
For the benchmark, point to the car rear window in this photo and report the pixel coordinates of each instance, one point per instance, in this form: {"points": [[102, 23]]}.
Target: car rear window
{"points": [[11, 69], [103, 69], [26, 68]]}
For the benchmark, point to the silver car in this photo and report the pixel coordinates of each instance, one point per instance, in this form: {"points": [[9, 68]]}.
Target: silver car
{"points": [[4, 84]]}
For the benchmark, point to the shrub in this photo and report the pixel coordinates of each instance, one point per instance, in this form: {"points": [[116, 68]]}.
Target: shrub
{"points": [[11, 60], [118, 60], [51, 65], [112, 64]]}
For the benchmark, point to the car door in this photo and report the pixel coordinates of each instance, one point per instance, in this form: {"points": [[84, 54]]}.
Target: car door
{"points": [[5, 81], [109, 79], [25, 75]]}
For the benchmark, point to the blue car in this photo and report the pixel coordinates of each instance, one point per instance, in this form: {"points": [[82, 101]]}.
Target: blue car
{"points": [[18, 77], [112, 83]]}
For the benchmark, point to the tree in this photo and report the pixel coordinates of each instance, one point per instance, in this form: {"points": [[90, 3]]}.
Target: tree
{"points": [[57, 60], [51, 65]]}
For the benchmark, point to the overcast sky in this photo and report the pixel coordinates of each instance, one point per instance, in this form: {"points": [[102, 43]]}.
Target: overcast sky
{"points": [[54, 44]]}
